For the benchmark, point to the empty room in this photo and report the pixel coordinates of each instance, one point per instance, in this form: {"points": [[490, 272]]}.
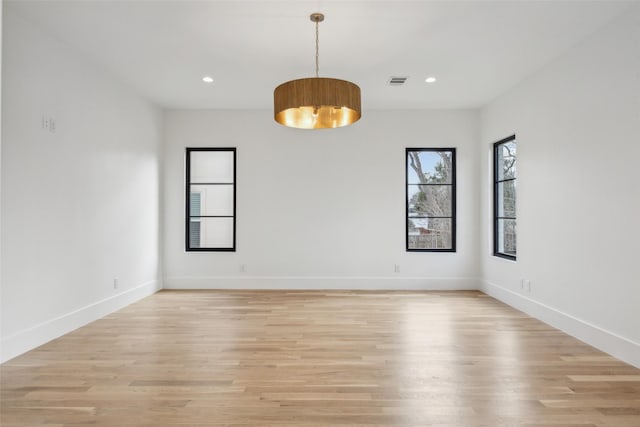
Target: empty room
{"points": [[320, 213]]}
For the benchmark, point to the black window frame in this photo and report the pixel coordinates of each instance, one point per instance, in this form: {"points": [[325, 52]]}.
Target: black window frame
{"points": [[188, 216], [496, 218], [453, 185]]}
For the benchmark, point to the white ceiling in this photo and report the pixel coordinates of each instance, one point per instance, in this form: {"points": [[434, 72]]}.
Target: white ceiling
{"points": [[476, 49]]}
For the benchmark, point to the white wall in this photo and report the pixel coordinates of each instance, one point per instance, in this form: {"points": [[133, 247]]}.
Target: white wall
{"points": [[321, 209], [80, 206], [577, 123]]}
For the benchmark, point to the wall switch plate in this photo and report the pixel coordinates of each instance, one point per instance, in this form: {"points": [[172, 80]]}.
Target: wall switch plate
{"points": [[396, 268], [115, 283]]}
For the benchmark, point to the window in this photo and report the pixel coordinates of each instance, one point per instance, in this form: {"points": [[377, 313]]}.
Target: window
{"points": [[504, 198], [431, 199], [210, 199]]}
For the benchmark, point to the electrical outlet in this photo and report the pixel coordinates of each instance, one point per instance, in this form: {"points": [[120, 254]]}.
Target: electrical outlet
{"points": [[243, 268], [522, 284], [528, 285], [49, 123], [396, 268], [115, 283]]}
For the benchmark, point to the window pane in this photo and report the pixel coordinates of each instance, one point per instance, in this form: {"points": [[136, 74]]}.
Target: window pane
{"points": [[210, 199], [194, 233], [429, 167], [430, 200], [195, 204], [506, 161], [215, 200], [211, 166], [429, 233], [211, 232], [506, 236], [505, 189], [507, 198]]}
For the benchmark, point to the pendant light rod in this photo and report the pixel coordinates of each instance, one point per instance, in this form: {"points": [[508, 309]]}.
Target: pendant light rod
{"points": [[317, 18]]}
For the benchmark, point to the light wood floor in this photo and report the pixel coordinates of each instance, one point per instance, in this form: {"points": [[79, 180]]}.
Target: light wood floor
{"points": [[318, 358]]}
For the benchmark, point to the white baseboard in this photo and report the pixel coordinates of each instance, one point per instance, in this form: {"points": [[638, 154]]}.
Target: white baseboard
{"points": [[306, 282], [615, 345], [28, 339]]}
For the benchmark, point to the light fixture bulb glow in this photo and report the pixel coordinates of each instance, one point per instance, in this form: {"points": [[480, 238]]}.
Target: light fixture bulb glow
{"points": [[430, 79], [207, 79]]}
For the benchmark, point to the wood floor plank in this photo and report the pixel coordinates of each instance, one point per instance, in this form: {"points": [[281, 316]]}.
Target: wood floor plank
{"points": [[318, 358]]}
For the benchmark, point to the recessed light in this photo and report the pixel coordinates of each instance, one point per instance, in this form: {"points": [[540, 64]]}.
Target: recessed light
{"points": [[430, 79], [207, 79]]}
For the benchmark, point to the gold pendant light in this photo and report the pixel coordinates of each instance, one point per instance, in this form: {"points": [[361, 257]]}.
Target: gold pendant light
{"points": [[317, 102]]}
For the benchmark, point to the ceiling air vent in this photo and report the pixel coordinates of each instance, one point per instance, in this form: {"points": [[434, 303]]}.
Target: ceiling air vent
{"points": [[397, 81]]}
